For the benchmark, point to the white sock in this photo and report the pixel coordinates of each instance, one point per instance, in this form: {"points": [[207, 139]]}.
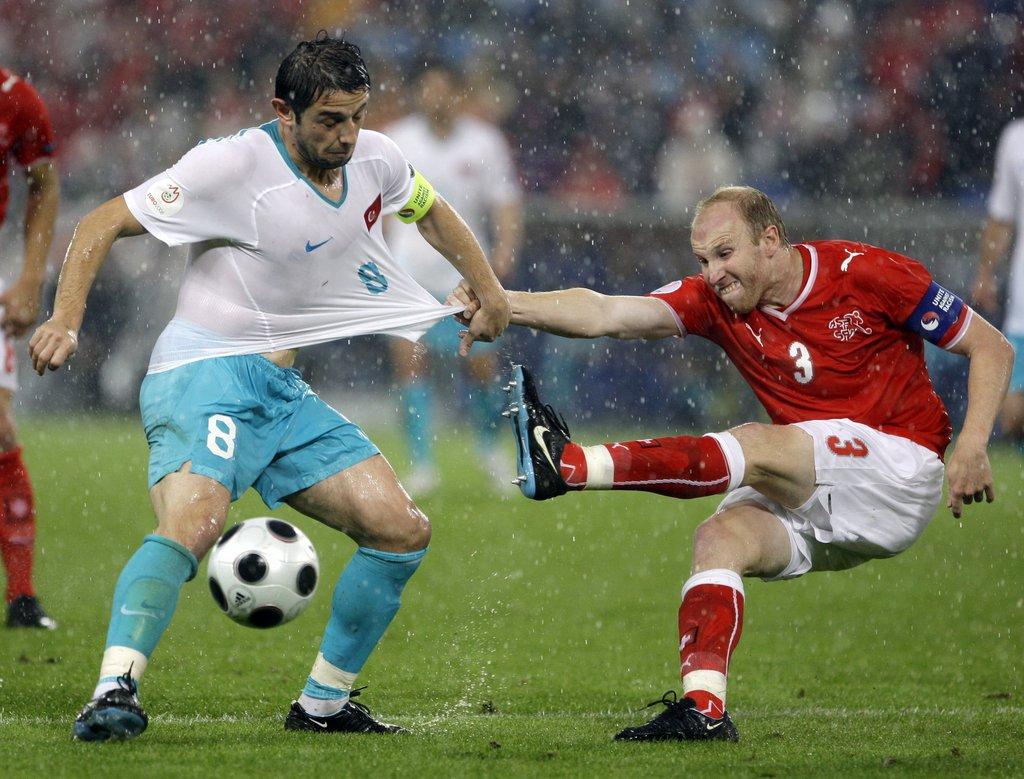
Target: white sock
{"points": [[322, 707]]}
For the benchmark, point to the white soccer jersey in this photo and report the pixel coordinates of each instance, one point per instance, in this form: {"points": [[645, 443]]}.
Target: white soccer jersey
{"points": [[1006, 203], [275, 264], [472, 169]]}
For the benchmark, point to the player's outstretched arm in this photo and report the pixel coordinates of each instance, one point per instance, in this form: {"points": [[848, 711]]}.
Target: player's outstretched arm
{"points": [[56, 339], [581, 313], [991, 360]]}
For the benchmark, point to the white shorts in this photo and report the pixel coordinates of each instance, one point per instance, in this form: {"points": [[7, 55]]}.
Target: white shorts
{"points": [[873, 499], [8, 364]]}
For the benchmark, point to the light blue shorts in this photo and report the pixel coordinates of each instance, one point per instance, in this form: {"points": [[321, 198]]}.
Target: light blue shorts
{"points": [[245, 422], [443, 339], [1017, 376]]}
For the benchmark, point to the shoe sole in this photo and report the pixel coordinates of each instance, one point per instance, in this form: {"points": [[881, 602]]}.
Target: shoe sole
{"points": [[110, 725], [520, 425]]}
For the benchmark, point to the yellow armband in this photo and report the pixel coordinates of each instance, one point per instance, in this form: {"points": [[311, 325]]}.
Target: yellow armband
{"points": [[419, 202]]}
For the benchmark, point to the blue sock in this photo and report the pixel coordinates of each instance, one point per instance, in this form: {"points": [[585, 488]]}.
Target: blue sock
{"points": [[365, 601], [417, 400], [144, 601]]}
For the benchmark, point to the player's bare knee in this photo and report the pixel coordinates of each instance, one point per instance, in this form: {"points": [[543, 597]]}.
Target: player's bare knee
{"points": [[714, 541], [406, 529]]}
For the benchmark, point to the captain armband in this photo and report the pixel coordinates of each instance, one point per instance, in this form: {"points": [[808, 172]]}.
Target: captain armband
{"points": [[422, 198]]}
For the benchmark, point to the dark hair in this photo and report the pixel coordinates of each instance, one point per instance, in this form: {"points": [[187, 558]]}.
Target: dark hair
{"points": [[321, 65]]}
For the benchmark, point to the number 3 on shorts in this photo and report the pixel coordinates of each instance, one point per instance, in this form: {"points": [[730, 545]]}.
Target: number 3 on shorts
{"points": [[221, 440]]}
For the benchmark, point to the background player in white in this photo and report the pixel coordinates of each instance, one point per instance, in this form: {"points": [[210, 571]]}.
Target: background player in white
{"points": [[1005, 217], [470, 161], [830, 336], [286, 250]]}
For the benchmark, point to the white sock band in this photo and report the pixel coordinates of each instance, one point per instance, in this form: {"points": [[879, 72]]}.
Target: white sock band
{"points": [[117, 660], [721, 576], [707, 681], [734, 458], [330, 675], [600, 468]]}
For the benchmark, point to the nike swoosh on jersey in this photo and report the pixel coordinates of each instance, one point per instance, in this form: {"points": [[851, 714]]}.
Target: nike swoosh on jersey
{"points": [[538, 435], [314, 246]]}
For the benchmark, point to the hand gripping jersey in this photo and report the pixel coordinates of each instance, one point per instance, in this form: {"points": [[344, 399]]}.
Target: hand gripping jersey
{"points": [[850, 346], [25, 131], [275, 264]]}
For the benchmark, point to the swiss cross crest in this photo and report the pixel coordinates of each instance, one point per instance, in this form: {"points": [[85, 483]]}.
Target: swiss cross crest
{"points": [[845, 327], [372, 213]]}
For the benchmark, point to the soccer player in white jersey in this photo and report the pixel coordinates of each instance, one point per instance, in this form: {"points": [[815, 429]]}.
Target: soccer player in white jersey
{"points": [[470, 161], [1005, 217], [284, 223]]}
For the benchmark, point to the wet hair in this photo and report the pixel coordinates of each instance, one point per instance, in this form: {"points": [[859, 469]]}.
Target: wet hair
{"points": [[756, 208], [324, 64]]}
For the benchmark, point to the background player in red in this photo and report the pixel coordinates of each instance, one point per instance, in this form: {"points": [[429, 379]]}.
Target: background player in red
{"points": [[26, 137], [830, 336]]}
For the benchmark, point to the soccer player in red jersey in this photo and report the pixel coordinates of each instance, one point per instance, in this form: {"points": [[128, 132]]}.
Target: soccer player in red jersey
{"points": [[26, 137], [830, 336]]}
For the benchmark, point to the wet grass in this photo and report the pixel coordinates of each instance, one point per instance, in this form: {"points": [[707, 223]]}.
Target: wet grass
{"points": [[532, 633]]}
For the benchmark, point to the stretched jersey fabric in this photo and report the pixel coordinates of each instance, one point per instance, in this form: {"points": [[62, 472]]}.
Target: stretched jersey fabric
{"points": [[1006, 204], [274, 263], [25, 130], [850, 346], [472, 168]]}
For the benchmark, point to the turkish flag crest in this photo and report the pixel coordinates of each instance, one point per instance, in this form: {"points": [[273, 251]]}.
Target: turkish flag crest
{"points": [[372, 214]]}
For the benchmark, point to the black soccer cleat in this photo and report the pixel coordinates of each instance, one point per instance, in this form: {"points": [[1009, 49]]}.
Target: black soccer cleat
{"points": [[116, 715], [680, 721], [353, 718], [26, 612], [541, 435]]}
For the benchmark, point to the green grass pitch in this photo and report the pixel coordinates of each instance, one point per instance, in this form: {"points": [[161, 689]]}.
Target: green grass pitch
{"points": [[531, 634]]}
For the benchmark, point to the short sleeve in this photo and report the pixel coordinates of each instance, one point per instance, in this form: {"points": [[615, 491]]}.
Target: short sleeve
{"points": [[1002, 198], [204, 196], [399, 177], [915, 301], [35, 141], [691, 304]]}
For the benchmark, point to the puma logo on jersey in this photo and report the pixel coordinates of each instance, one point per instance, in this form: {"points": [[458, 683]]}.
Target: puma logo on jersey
{"points": [[849, 258], [757, 335]]}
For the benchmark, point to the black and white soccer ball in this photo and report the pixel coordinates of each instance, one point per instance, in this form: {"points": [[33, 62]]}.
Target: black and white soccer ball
{"points": [[263, 572]]}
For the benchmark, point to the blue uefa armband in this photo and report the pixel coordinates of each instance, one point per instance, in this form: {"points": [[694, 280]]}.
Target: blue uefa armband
{"points": [[938, 311]]}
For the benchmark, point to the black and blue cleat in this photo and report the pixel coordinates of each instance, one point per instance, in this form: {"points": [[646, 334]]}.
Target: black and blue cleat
{"points": [[541, 435], [116, 715]]}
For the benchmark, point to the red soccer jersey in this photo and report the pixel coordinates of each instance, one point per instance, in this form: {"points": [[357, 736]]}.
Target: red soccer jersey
{"points": [[850, 345], [25, 131]]}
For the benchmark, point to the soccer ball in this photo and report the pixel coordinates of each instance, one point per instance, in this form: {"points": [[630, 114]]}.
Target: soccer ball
{"points": [[263, 572]]}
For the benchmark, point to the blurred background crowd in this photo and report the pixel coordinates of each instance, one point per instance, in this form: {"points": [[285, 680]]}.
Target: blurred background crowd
{"points": [[870, 120]]}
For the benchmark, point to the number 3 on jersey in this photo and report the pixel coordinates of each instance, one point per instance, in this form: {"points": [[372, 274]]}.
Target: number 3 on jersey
{"points": [[221, 438], [804, 369]]}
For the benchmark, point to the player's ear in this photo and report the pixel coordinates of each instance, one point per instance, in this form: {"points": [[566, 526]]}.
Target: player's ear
{"points": [[283, 109], [770, 239]]}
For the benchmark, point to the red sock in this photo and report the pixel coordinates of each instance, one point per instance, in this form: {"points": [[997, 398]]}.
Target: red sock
{"points": [[680, 467], [710, 624], [17, 524]]}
